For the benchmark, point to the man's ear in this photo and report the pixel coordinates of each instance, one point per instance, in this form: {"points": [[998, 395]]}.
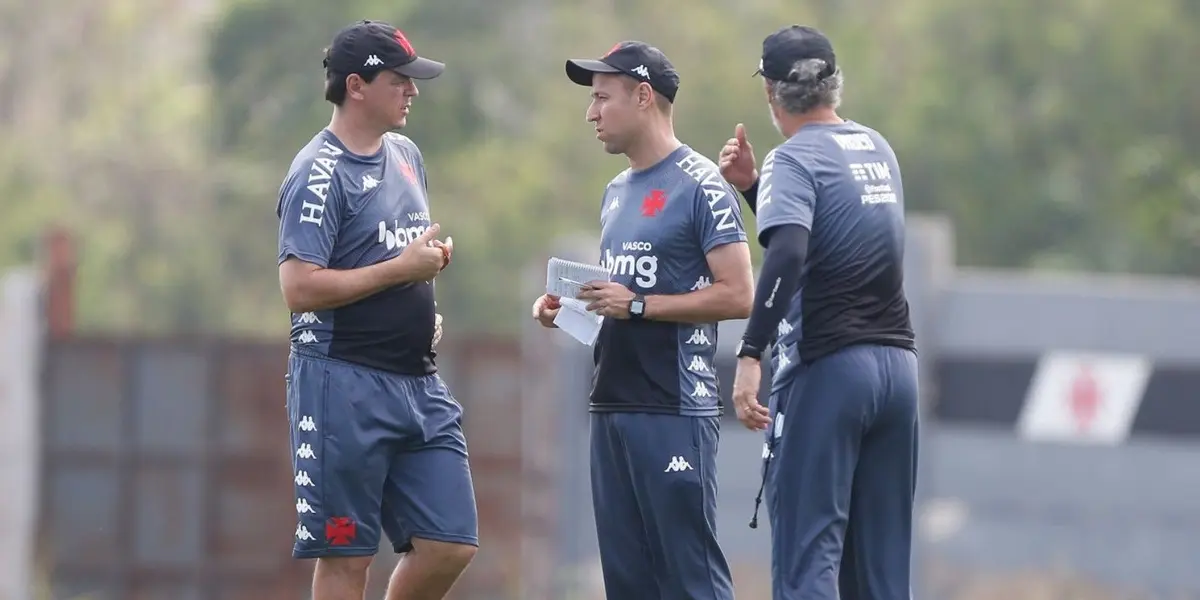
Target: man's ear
{"points": [[645, 95]]}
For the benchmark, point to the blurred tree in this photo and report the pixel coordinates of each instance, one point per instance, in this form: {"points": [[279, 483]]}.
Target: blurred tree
{"points": [[1058, 135], [101, 117]]}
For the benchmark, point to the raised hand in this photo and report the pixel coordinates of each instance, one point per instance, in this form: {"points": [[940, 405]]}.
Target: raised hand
{"points": [[736, 160]]}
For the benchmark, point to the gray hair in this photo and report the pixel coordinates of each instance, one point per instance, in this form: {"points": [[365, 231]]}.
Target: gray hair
{"points": [[805, 89]]}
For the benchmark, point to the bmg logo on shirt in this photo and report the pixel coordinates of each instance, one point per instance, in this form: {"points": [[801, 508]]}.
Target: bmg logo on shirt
{"points": [[644, 269], [397, 236]]}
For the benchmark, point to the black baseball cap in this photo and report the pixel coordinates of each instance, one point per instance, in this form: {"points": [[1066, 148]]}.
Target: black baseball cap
{"points": [[369, 46], [782, 49], [638, 60]]}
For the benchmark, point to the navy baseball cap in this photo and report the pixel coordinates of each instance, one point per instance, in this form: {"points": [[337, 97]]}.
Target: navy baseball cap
{"points": [[638, 60], [370, 46], [784, 48]]}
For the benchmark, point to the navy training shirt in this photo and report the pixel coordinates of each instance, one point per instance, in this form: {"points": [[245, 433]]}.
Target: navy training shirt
{"points": [[345, 211], [842, 183], [657, 225]]}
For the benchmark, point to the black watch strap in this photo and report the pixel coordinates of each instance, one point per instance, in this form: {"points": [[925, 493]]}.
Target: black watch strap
{"points": [[745, 350]]}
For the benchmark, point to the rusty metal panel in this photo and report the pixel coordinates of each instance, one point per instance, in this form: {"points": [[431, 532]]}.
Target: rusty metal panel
{"points": [[167, 472]]}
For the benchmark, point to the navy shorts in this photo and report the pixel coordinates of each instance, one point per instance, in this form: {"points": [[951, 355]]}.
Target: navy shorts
{"points": [[375, 452], [654, 493], [842, 475]]}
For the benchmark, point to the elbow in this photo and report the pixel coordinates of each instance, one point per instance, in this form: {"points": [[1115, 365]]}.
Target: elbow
{"points": [[296, 299], [742, 303], [739, 301]]}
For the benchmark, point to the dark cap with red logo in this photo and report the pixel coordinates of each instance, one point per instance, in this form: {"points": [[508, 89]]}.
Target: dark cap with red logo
{"points": [[370, 46], [638, 60], [784, 48]]}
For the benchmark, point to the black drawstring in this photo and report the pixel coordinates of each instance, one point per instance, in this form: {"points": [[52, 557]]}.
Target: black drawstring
{"points": [[770, 451]]}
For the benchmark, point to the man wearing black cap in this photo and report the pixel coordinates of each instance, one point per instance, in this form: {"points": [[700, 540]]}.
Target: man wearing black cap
{"points": [[673, 241], [841, 454], [377, 437]]}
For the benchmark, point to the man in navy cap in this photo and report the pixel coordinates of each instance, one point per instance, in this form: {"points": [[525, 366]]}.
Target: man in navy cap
{"points": [[841, 456], [377, 438], [673, 241]]}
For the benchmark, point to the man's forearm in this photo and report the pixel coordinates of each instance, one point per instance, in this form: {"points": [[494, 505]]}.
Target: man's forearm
{"points": [[718, 302], [787, 248], [326, 289], [751, 196]]}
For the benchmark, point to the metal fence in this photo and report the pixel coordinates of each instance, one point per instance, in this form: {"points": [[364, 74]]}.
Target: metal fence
{"points": [[165, 465], [166, 470]]}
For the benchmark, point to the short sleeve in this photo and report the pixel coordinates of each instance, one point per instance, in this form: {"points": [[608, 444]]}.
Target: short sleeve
{"points": [[718, 216], [786, 193], [309, 217]]}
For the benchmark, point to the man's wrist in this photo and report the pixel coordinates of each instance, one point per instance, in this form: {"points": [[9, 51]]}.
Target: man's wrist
{"points": [[637, 307], [749, 350], [752, 187]]}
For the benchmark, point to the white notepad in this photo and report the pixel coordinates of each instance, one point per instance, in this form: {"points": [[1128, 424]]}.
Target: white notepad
{"points": [[563, 279]]}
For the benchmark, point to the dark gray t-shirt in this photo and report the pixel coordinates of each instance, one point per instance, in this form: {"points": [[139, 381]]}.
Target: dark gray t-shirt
{"points": [[842, 183], [657, 225], [344, 211]]}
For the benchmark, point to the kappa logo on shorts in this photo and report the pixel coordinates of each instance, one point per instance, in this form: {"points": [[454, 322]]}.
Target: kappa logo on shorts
{"points": [[305, 451], [678, 463], [303, 480], [340, 531], [307, 424], [302, 533], [302, 506]]}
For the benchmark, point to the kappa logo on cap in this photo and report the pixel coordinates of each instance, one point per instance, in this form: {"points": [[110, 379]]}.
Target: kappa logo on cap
{"points": [[404, 43], [616, 46]]}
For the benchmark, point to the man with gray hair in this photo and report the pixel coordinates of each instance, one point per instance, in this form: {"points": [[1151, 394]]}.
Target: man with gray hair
{"points": [[840, 469]]}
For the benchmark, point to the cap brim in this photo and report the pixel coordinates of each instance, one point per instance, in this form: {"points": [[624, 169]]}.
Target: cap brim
{"points": [[581, 70], [421, 68]]}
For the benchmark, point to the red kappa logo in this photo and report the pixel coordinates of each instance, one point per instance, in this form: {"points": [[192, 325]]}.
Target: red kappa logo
{"points": [[1085, 398], [403, 41], [615, 47], [340, 531], [653, 203]]}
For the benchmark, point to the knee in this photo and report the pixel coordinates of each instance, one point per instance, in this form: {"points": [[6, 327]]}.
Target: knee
{"points": [[448, 557], [344, 567]]}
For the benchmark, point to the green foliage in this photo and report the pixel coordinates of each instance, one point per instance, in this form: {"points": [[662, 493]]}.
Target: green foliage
{"points": [[1057, 135]]}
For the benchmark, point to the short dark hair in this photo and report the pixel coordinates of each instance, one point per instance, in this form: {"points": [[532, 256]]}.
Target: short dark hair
{"points": [[335, 85]]}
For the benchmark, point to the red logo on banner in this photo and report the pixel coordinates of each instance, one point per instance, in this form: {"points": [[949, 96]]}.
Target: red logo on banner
{"points": [[1085, 398], [340, 531]]}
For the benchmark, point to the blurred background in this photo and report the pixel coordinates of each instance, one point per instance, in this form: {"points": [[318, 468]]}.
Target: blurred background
{"points": [[1051, 154]]}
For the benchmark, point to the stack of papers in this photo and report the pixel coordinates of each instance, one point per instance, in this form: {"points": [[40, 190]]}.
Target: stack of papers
{"points": [[564, 278]]}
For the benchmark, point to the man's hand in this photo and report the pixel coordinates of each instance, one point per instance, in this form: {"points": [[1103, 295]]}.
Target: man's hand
{"points": [[737, 161], [447, 248], [545, 310], [422, 259], [746, 382], [608, 299], [437, 329]]}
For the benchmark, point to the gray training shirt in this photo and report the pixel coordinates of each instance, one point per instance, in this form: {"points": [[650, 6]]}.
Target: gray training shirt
{"points": [[842, 183], [657, 225], [344, 211]]}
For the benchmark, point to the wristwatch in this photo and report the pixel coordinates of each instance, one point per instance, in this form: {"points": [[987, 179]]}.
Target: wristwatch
{"points": [[637, 307], [745, 350]]}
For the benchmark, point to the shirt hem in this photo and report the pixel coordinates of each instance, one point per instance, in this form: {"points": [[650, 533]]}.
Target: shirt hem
{"points": [[656, 410], [306, 353]]}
